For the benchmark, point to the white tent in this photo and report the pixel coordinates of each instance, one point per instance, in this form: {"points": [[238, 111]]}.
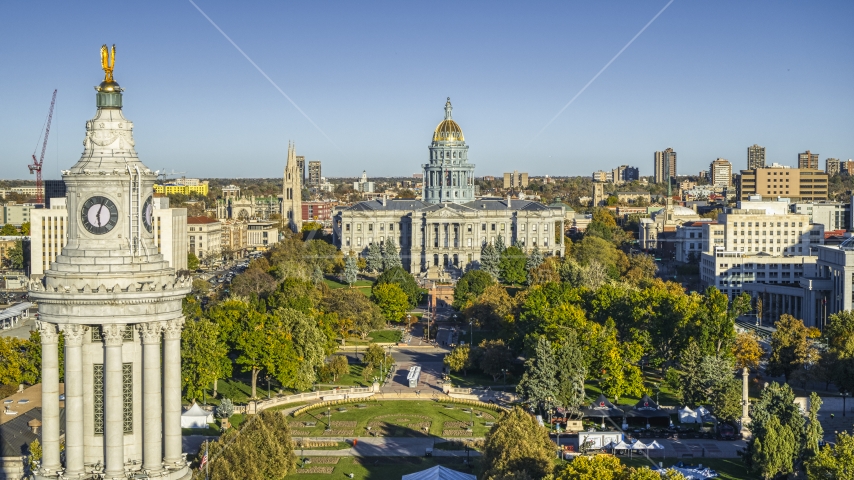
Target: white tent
{"points": [[439, 473], [638, 445], [686, 415], [702, 413], [196, 417], [622, 446], [655, 446]]}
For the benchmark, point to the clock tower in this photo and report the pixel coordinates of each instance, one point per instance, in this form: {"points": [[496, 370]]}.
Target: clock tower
{"points": [[117, 303]]}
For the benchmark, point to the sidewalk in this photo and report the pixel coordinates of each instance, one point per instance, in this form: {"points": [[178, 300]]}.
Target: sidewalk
{"points": [[387, 447]]}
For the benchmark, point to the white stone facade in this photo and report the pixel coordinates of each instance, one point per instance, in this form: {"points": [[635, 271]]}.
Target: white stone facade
{"points": [[118, 303]]}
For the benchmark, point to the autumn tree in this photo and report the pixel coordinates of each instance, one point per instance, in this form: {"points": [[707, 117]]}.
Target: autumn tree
{"points": [[261, 449], [839, 338], [791, 347], [494, 356], [458, 359], [338, 367], [595, 467], [470, 286], [403, 279], [201, 357], [253, 281], [192, 261], [517, 445], [352, 306], [747, 351]]}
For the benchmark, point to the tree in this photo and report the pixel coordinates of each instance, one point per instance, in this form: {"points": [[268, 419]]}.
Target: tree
{"points": [[35, 454], [691, 384], [512, 266], [391, 255], [547, 272], [776, 404], [374, 257], [594, 275], [499, 244], [459, 359], [392, 301], [254, 281], [403, 279], [16, 256], [814, 434], [253, 345], [595, 467], [201, 287], [833, 461], [353, 307], [790, 347], [298, 346], [747, 351], [376, 356], [192, 261], [715, 321], [263, 449], [13, 361], [517, 445], [201, 354], [640, 267], [726, 401], [338, 367], [225, 409], [490, 260], [839, 337], [774, 453], [539, 384], [9, 230], [351, 271], [535, 259], [317, 276], [494, 356], [470, 286], [571, 374]]}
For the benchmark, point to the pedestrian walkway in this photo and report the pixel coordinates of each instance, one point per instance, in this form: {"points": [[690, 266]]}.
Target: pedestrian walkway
{"points": [[387, 447]]}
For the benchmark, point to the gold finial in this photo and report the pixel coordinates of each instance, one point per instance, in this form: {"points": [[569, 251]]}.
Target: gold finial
{"points": [[107, 64]]}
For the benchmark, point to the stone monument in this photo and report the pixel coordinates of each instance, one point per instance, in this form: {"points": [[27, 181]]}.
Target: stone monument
{"points": [[117, 303]]}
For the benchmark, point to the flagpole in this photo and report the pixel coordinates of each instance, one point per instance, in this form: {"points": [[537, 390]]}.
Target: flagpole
{"points": [[207, 464]]}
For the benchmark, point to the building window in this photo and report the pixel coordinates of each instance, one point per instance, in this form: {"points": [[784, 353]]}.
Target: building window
{"points": [[98, 382], [127, 397]]}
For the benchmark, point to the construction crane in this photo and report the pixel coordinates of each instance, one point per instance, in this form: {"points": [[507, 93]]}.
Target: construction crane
{"points": [[36, 167]]}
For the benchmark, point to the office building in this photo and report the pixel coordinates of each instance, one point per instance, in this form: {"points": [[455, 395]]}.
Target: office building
{"points": [[515, 180], [301, 167], [169, 226], [665, 165], [183, 186], [29, 192], [833, 215], [317, 211], [314, 174], [755, 157], [16, 214], [292, 191], [720, 173], [261, 234], [847, 167], [808, 160], [118, 306], [832, 166], [53, 189], [799, 185], [624, 174], [205, 234], [444, 231], [599, 176], [234, 239]]}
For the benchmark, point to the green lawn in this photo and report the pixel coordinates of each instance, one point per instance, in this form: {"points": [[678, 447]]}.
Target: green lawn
{"points": [[727, 468], [387, 468], [476, 378], [362, 285], [399, 418], [353, 379]]}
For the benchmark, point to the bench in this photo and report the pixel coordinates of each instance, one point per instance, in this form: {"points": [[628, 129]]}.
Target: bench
{"points": [[488, 424]]}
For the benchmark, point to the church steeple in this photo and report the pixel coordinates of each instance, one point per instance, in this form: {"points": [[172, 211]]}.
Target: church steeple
{"points": [[292, 191]]}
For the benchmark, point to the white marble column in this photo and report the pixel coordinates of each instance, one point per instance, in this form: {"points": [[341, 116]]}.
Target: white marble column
{"points": [[172, 391], [74, 334], [50, 397], [113, 402], [152, 449], [745, 397]]}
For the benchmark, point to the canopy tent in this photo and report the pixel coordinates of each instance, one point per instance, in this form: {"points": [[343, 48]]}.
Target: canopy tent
{"points": [[622, 446], [655, 445], [602, 408], [647, 412], [704, 415], [438, 473], [196, 417], [686, 415], [638, 445]]}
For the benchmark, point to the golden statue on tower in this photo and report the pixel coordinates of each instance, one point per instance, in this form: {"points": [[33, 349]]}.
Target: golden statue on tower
{"points": [[107, 63]]}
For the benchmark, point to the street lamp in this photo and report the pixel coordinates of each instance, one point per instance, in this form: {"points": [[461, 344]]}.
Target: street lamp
{"points": [[657, 386], [471, 338], [844, 394], [409, 322], [504, 383], [328, 419], [268, 386]]}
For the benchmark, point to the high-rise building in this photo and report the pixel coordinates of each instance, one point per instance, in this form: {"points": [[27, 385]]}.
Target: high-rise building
{"points": [[797, 184], [363, 185], [292, 190], [53, 189], [832, 166], [314, 176], [118, 305], [755, 157], [301, 166], [516, 180], [808, 160], [720, 173], [624, 174], [847, 166], [665, 165]]}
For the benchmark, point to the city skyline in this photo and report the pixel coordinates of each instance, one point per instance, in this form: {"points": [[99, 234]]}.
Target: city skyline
{"points": [[365, 73]]}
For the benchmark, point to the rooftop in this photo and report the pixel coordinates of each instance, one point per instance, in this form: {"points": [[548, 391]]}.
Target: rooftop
{"points": [[201, 220]]}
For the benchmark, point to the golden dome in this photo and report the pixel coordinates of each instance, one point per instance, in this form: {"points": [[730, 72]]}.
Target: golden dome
{"points": [[448, 130]]}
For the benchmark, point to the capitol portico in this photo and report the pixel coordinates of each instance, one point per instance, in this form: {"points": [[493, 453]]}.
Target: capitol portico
{"points": [[449, 225]]}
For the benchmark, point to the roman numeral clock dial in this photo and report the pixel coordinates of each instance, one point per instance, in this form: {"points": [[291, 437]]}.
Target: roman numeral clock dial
{"points": [[99, 215]]}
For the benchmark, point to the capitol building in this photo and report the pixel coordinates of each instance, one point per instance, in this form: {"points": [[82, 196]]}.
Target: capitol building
{"points": [[446, 228]]}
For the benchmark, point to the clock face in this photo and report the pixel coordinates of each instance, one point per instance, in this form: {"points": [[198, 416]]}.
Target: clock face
{"points": [[148, 214], [99, 215]]}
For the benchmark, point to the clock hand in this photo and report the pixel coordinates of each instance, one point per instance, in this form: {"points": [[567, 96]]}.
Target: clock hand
{"points": [[98, 215]]}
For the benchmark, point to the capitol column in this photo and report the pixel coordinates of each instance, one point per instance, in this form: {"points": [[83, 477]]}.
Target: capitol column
{"points": [[172, 391], [113, 335], [73, 334], [152, 426], [50, 397]]}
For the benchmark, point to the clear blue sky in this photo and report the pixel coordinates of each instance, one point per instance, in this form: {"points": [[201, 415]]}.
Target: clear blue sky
{"points": [[706, 78]]}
